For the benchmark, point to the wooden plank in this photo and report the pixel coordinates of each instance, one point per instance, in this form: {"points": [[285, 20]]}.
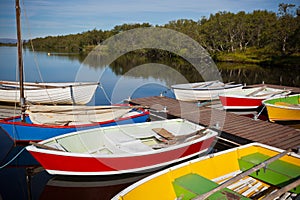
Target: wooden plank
{"points": [[281, 191], [164, 133], [241, 175], [44, 146], [240, 127], [282, 87]]}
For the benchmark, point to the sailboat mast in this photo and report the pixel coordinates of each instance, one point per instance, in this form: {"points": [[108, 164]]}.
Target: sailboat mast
{"points": [[20, 60]]}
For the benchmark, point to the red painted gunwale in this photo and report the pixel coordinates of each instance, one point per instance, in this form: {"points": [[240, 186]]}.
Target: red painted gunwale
{"points": [[10, 120]]}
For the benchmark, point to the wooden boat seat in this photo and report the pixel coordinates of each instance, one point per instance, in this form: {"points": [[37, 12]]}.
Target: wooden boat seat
{"points": [[126, 143], [134, 147], [287, 104], [102, 150], [191, 185], [118, 137], [284, 172], [164, 133]]}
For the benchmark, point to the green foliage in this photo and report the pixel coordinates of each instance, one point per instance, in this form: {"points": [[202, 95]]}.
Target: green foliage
{"points": [[255, 37]]}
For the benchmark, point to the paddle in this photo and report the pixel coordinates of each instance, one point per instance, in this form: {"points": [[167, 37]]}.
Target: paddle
{"points": [[242, 175], [204, 84], [272, 93], [44, 146], [256, 91], [172, 138], [63, 109], [283, 190]]}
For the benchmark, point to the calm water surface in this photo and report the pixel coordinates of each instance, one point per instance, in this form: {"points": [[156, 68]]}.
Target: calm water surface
{"points": [[118, 82]]}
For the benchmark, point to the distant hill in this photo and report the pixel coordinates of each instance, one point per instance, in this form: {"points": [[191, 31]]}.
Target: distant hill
{"points": [[8, 41]]}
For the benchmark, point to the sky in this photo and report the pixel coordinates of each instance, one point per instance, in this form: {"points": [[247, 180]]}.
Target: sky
{"points": [[41, 18]]}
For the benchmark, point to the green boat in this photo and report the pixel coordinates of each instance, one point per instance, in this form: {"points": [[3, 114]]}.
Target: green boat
{"points": [[285, 108]]}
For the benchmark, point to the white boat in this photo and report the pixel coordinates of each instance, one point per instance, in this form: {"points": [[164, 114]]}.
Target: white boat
{"points": [[48, 121], [44, 121], [209, 90], [139, 147], [48, 93], [76, 115]]}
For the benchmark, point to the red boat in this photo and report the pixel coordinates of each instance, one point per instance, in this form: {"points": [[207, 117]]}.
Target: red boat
{"points": [[250, 98], [123, 149]]}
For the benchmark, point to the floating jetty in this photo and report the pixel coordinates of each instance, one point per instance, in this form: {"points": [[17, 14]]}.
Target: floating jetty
{"points": [[235, 129]]}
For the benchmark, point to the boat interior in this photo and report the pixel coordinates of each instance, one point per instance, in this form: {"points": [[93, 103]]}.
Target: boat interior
{"points": [[127, 139], [193, 179]]}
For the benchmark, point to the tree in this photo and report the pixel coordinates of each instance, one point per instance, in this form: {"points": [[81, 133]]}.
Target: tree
{"points": [[286, 25]]}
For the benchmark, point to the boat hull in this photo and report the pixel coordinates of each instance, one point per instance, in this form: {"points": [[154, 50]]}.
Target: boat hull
{"points": [[276, 113], [188, 92], [48, 93], [124, 149], [24, 132], [250, 98], [240, 103], [186, 180], [92, 165], [284, 108]]}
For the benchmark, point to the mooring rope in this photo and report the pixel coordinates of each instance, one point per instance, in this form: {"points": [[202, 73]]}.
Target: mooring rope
{"points": [[10, 161]]}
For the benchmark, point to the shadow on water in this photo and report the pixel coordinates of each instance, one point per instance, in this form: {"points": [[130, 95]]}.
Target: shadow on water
{"points": [[65, 187], [30, 182]]}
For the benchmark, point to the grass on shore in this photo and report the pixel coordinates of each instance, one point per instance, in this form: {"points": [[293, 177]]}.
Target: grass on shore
{"points": [[258, 56]]}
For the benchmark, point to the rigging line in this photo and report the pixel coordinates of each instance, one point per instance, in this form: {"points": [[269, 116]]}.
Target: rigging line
{"points": [[256, 116], [32, 48], [105, 94], [11, 160], [16, 101]]}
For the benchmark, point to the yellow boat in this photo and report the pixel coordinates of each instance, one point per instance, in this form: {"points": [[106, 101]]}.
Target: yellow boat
{"points": [[232, 174], [283, 108]]}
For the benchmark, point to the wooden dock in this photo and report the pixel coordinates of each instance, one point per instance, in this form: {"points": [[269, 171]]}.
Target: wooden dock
{"points": [[234, 128]]}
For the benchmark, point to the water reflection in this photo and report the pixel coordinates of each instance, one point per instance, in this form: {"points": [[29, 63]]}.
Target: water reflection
{"points": [[237, 72], [71, 66], [253, 74], [131, 75], [104, 188]]}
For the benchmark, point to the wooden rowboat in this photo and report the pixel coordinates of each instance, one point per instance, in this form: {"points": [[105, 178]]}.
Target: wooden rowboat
{"points": [[249, 98], [43, 122], [209, 90], [252, 171], [48, 93], [285, 108], [140, 147]]}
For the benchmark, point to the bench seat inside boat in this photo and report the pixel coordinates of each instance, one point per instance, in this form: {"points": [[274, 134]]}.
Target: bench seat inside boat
{"points": [[278, 173], [191, 185], [105, 143], [127, 143]]}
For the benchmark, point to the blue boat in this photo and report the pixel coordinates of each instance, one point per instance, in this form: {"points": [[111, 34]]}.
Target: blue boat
{"points": [[24, 132]]}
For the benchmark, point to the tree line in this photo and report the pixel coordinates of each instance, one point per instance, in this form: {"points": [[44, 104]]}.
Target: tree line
{"points": [[260, 32]]}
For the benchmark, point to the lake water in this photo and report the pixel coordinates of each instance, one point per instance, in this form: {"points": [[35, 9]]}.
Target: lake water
{"points": [[120, 80], [131, 77]]}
